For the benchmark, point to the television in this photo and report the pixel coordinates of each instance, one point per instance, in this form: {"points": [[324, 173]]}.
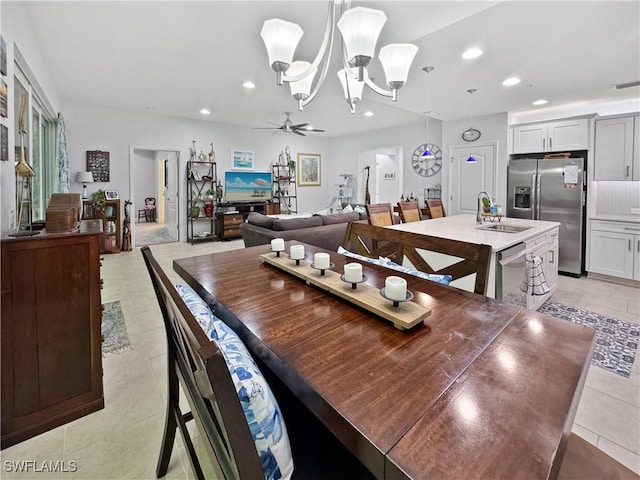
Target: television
{"points": [[247, 186]]}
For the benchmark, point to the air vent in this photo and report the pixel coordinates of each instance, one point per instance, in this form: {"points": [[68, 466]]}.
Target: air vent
{"points": [[620, 86]]}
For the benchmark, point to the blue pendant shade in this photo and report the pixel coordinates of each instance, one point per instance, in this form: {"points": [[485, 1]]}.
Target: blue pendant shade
{"points": [[471, 159], [427, 154]]}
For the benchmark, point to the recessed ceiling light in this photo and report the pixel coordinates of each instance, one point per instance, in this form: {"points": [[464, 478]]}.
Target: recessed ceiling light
{"points": [[249, 84], [473, 52], [542, 101], [511, 81], [368, 114], [151, 109], [204, 111]]}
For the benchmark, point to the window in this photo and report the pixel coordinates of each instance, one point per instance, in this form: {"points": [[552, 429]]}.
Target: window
{"points": [[39, 139]]}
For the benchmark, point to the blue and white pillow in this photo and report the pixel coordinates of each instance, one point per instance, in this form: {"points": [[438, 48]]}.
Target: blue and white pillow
{"points": [[385, 262], [258, 402]]}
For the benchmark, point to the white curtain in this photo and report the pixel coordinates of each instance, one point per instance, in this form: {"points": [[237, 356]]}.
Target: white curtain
{"points": [[62, 157]]}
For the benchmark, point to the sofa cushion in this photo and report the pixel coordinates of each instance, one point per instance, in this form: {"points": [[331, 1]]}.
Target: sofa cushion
{"points": [[340, 218], [260, 220], [282, 224], [258, 402]]}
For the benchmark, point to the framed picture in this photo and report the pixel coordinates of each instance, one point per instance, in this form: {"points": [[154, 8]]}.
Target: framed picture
{"points": [[242, 160], [3, 98], [390, 176], [3, 56], [98, 164], [4, 143], [308, 169], [112, 194]]}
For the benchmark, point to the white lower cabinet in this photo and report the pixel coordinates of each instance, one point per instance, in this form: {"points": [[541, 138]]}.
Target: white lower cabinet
{"points": [[615, 249]]}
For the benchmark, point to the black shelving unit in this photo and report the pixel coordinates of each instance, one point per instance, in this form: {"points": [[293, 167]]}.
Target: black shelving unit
{"points": [[284, 188], [201, 177]]}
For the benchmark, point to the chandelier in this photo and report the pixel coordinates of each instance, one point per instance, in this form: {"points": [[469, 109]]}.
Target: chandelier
{"points": [[360, 28]]}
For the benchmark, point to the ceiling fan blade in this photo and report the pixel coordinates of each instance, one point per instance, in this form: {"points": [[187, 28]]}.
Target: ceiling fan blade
{"points": [[279, 125], [300, 125], [315, 130], [265, 128], [297, 132]]}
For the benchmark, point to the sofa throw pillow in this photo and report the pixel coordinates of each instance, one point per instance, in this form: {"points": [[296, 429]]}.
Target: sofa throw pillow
{"points": [[260, 220], [282, 224], [340, 218], [258, 402], [347, 209]]}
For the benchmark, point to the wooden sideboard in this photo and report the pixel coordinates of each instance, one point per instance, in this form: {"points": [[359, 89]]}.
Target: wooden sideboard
{"points": [[51, 341]]}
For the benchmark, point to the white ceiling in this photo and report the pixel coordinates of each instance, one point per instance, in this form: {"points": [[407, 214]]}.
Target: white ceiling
{"points": [[177, 57]]}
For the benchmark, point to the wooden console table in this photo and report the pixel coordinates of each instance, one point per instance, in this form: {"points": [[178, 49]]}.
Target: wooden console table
{"points": [[51, 342], [488, 391]]}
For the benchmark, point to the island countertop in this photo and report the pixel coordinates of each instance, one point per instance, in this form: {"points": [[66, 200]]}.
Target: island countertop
{"points": [[464, 228]]}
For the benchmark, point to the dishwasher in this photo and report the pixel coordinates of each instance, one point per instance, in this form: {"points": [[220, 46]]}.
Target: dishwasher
{"points": [[511, 274]]}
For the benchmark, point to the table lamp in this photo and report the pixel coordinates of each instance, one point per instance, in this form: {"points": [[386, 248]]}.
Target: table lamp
{"points": [[84, 178]]}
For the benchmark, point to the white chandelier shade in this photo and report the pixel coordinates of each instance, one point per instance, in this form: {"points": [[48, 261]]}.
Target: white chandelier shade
{"points": [[301, 89], [351, 87], [360, 28], [281, 39]]}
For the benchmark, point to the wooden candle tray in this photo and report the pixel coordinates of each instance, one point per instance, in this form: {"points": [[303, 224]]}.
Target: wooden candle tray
{"points": [[406, 315]]}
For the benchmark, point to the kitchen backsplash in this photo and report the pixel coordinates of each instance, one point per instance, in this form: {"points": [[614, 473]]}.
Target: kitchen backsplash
{"points": [[617, 198]]}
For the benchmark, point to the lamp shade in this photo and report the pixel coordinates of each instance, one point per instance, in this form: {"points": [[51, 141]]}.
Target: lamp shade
{"points": [[360, 28], [354, 91], [84, 177], [281, 39], [396, 60], [300, 90]]}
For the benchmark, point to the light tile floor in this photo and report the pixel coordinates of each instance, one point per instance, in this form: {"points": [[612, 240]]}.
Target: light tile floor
{"points": [[122, 440]]}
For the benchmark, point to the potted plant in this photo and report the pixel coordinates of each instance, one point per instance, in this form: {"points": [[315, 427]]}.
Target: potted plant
{"points": [[98, 203], [486, 205], [211, 194]]}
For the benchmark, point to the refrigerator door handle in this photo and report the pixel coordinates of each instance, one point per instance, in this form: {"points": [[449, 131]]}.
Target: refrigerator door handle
{"points": [[537, 211]]}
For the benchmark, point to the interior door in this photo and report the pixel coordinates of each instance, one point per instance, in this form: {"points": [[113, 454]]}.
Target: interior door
{"points": [[468, 179], [170, 194]]}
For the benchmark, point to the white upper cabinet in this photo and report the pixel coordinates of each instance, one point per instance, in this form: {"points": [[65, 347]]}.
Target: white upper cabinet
{"points": [[617, 155], [558, 136]]}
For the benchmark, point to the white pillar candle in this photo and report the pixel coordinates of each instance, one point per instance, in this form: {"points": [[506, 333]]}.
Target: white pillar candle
{"points": [[353, 272], [296, 252], [277, 244], [321, 261], [395, 288]]}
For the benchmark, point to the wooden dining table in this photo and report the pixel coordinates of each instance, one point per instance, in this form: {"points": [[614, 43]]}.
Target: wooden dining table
{"points": [[480, 389]]}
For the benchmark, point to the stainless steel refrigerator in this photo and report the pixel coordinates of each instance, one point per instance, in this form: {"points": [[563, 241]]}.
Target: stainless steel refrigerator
{"points": [[552, 190]]}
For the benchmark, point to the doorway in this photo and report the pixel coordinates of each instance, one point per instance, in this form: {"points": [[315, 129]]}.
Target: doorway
{"points": [[384, 178], [153, 174], [468, 179]]}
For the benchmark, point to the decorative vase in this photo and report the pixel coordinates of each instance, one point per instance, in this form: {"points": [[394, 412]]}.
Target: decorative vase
{"points": [[208, 209], [195, 211]]}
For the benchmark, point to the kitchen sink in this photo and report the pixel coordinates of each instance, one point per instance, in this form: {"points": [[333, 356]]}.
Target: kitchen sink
{"points": [[504, 228]]}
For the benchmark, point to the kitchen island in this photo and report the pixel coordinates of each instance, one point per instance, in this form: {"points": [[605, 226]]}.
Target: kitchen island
{"points": [[533, 238]]}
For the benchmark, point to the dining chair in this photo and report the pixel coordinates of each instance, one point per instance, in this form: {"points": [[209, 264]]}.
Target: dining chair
{"points": [[200, 369], [435, 208], [149, 210], [379, 214], [409, 212]]}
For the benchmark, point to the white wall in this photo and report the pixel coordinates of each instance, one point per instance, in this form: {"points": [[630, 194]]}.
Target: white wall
{"points": [[493, 128], [344, 150], [387, 189], [145, 179], [16, 29], [99, 128]]}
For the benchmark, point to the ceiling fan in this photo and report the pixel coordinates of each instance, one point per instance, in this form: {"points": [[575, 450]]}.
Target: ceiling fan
{"points": [[289, 127]]}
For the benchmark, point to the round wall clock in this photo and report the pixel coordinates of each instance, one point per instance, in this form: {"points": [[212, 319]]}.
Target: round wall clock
{"points": [[424, 166], [471, 135]]}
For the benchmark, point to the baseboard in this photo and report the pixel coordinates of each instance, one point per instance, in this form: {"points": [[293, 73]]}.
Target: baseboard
{"points": [[610, 279]]}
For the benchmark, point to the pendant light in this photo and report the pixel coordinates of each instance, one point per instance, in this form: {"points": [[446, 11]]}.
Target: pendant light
{"points": [[471, 158], [427, 153]]}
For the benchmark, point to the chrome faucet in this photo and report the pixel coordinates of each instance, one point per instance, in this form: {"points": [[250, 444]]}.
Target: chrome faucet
{"points": [[478, 216]]}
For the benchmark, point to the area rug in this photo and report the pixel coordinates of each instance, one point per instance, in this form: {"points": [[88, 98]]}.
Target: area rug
{"points": [[114, 330], [616, 340]]}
